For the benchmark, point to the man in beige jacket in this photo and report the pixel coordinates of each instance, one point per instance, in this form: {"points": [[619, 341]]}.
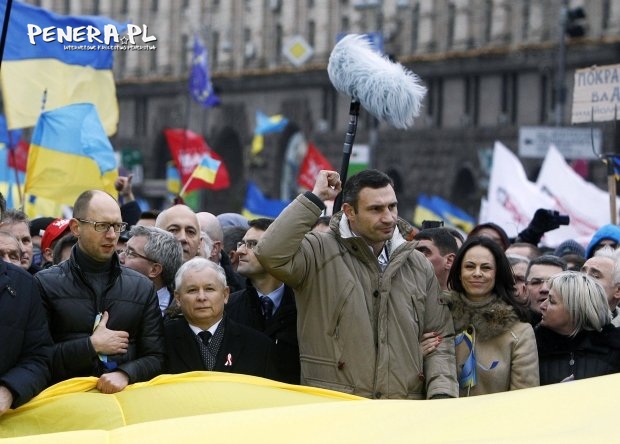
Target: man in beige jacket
{"points": [[364, 294]]}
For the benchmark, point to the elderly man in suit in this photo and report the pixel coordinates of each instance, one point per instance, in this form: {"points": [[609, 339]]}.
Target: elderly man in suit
{"points": [[204, 339]]}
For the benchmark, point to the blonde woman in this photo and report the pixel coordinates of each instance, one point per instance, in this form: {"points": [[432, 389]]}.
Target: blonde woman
{"points": [[575, 337]]}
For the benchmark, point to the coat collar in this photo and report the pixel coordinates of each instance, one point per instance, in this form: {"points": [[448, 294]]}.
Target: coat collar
{"points": [[490, 317]]}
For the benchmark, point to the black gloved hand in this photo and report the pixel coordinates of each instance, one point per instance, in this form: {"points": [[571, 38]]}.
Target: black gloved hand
{"points": [[543, 221]]}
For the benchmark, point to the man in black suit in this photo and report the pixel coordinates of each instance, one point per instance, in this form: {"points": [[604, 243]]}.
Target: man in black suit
{"points": [[266, 305], [204, 339]]}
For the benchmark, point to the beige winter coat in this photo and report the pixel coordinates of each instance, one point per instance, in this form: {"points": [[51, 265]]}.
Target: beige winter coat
{"points": [[359, 328], [498, 336]]}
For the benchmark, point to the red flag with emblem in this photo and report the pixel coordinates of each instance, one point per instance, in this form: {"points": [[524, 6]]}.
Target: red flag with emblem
{"points": [[310, 167], [188, 149]]}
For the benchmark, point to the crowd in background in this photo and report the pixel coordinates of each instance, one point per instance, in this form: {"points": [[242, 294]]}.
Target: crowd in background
{"points": [[361, 301]]}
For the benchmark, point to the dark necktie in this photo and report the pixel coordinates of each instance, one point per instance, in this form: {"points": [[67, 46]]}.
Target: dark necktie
{"points": [[207, 357], [267, 305]]}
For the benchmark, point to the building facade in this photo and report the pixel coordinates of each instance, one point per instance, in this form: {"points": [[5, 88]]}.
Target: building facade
{"points": [[490, 66]]}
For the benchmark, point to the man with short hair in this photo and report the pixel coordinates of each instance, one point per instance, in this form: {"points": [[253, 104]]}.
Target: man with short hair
{"points": [[181, 221], [156, 254], [523, 249], [604, 267], [204, 338], [17, 223], [10, 249], [210, 224], [54, 231], [364, 294], [538, 272], [266, 304], [439, 247], [104, 318]]}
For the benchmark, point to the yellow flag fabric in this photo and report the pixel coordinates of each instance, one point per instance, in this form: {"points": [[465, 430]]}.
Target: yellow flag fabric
{"points": [[228, 408], [69, 154]]}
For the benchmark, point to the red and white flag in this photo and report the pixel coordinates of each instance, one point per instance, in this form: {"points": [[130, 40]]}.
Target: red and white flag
{"points": [[310, 167]]}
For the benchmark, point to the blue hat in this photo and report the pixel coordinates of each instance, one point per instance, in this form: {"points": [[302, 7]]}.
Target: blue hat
{"points": [[569, 246]]}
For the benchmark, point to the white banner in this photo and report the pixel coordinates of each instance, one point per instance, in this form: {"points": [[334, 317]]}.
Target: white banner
{"points": [[512, 198], [586, 204]]}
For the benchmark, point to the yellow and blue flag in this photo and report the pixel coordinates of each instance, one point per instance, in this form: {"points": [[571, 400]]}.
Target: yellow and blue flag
{"points": [[173, 179], [70, 153], [200, 86], [52, 60], [265, 125], [257, 205], [205, 171], [437, 208]]}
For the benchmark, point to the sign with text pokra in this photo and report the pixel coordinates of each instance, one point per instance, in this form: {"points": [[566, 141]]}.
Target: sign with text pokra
{"points": [[596, 94]]}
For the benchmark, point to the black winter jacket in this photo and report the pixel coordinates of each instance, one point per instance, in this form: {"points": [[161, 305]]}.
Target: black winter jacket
{"points": [[588, 354], [72, 305], [25, 342], [244, 307]]}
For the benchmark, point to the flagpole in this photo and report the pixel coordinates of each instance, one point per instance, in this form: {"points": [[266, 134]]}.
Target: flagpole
{"points": [[5, 28]]}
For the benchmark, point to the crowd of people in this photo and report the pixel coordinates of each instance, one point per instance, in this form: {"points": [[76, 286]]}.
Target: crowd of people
{"points": [[360, 302]]}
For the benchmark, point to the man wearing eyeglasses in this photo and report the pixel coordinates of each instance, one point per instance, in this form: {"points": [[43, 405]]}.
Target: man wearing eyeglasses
{"points": [[156, 254], [104, 319], [538, 272], [266, 304]]}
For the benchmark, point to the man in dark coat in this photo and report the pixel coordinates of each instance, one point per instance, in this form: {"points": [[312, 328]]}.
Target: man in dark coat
{"points": [[278, 318], [104, 319], [25, 342], [204, 339]]}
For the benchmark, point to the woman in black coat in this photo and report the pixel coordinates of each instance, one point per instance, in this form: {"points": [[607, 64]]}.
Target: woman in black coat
{"points": [[575, 338]]}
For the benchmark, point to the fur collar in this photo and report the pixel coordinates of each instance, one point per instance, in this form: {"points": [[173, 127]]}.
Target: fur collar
{"points": [[490, 317]]}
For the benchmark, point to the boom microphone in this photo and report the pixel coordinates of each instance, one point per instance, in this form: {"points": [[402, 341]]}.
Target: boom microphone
{"points": [[385, 89]]}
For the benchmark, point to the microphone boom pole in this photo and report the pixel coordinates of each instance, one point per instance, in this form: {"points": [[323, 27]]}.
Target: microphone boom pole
{"points": [[387, 90], [347, 149]]}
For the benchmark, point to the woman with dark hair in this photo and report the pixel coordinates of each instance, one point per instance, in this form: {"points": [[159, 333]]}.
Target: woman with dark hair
{"points": [[495, 347]]}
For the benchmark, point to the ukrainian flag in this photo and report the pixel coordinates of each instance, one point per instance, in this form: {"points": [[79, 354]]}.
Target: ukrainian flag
{"points": [[38, 74], [453, 215], [425, 210], [257, 205], [265, 125], [206, 170], [70, 153]]}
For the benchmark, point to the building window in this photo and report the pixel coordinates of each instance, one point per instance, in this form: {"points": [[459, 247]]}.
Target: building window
{"points": [[344, 24], [186, 52], [545, 98], [279, 33], [509, 99], [96, 7], [415, 25], [66, 7], [153, 61], [215, 51], [125, 7], [154, 6], [472, 97], [525, 19], [606, 13], [311, 33], [451, 25], [434, 102], [488, 20]]}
